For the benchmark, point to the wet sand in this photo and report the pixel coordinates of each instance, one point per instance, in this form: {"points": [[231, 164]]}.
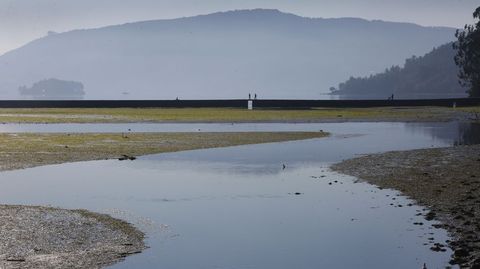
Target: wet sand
{"points": [[41, 237], [446, 180]]}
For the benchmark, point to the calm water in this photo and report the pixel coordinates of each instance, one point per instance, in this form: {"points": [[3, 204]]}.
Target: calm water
{"points": [[236, 207], [445, 129]]}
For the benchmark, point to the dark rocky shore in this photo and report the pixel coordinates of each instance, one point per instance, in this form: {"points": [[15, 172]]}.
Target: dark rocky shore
{"points": [[41, 237], [446, 180]]}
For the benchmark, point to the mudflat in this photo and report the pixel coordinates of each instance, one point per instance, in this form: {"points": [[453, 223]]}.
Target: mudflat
{"points": [[446, 180], [43, 237]]}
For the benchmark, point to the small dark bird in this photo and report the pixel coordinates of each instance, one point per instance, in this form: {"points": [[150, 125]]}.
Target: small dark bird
{"points": [[284, 166]]}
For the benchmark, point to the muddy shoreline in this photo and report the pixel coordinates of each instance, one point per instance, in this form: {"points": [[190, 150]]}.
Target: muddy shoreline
{"points": [[44, 237], [445, 180]]}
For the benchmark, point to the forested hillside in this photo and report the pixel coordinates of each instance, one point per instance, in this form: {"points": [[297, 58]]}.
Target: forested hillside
{"points": [[431, 76]]}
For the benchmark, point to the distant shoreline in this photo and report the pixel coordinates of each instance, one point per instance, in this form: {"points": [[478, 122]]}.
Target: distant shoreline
{"points": [[238, 103]]}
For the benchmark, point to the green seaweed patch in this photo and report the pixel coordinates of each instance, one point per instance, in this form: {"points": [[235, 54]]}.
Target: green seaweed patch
{"points": [[98, 115]]}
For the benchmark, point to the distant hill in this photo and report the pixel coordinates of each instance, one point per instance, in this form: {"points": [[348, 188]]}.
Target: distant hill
{"points": [[431, 76], [221, 55]]}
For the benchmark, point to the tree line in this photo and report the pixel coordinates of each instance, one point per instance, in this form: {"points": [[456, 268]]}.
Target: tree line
{"points": [[432, 75]]}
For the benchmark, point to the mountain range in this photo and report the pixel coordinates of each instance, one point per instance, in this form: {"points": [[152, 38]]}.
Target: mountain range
{"points": [[220, 55]]}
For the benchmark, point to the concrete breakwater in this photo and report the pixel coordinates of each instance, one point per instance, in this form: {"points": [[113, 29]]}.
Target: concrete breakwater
{"points": [[236, 103]]}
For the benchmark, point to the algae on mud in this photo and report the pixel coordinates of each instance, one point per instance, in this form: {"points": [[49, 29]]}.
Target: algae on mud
{"points": [[22, 150], [112, 115]]}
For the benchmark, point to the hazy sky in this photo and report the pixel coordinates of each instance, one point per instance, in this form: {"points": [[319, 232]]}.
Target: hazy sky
{"points": [[24, 20]]}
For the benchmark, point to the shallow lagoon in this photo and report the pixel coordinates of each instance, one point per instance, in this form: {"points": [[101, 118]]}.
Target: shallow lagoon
{"points": [[236, 207]]}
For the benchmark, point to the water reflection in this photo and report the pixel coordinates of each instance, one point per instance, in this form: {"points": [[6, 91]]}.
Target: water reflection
{"points": [[469, 134], [453, 133], [462, 133], [238, 207], [348, 140], [230, 220]]}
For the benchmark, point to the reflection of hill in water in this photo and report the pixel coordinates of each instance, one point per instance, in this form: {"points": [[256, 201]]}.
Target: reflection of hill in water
{"points": [[456, 133]]}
